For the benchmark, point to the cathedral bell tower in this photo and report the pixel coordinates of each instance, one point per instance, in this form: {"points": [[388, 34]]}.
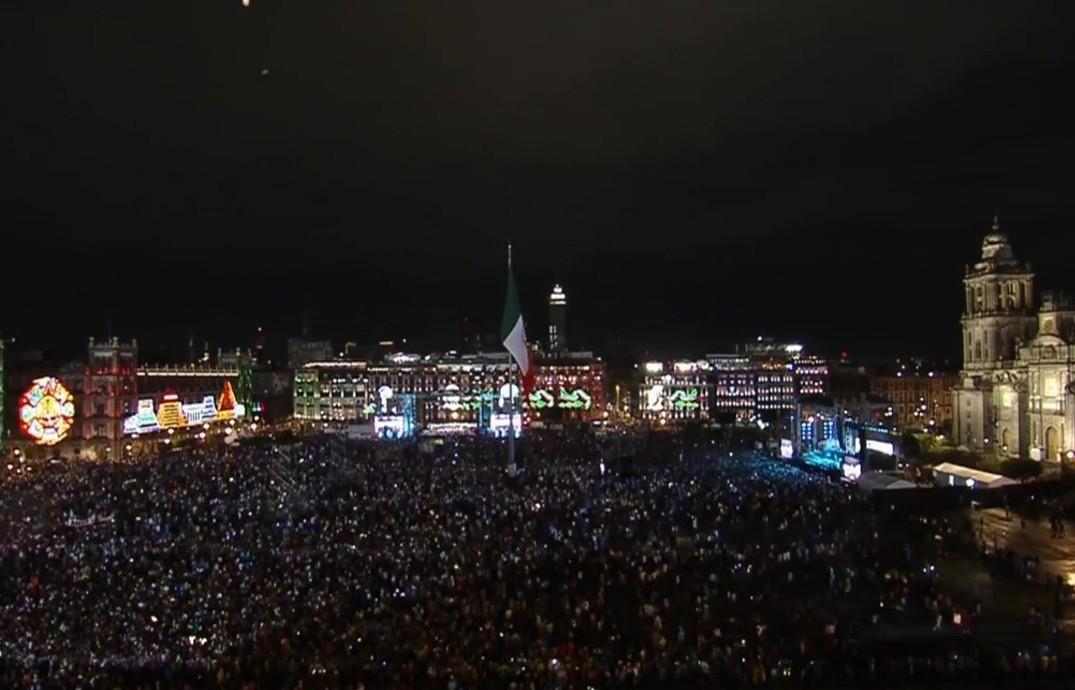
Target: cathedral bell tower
{"points": [[999, 305], [998, 315]]}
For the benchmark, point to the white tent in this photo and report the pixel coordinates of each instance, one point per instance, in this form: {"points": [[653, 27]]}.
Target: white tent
{"points": [[950, 474], [882, 481]]}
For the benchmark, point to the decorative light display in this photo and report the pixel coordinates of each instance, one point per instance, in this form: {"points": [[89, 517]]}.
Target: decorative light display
{"points": [[172, 413], [543, 399], [246, 382], [225, 409], [655, 398], [852, 468], [499, 424], [577, 399], [46, 411], [684, 399]]}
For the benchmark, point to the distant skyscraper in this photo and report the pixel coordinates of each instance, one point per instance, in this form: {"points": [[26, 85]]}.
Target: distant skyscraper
{"points": [[557, 319]]}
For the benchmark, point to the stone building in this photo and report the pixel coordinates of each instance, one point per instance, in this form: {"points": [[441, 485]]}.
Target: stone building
{"points": [[1015, 396]]}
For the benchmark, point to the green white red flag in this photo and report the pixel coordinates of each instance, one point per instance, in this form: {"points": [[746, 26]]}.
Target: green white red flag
{"points": [[513, 333]]}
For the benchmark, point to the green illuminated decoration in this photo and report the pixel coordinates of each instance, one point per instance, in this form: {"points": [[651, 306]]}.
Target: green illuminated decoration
{"points": [[684, 399], [577, 399], [245, 384], [541, 399], [369, 410]]}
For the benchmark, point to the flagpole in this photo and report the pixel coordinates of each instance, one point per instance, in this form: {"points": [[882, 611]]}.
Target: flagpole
{"points": [[511, 399]]}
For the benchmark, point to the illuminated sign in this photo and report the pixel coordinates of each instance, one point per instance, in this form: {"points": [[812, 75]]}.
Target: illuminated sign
{"points": [[786, 449], [852, 468], [880, 446], [654, 367], [172, 413], [46, 411]]}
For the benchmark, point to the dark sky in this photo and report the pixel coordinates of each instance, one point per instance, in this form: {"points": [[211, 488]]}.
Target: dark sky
{"points": [[694, 173]]}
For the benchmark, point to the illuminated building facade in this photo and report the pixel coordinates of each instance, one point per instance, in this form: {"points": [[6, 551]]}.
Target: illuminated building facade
{"points": [[569, 387], [918, 400], [674, 392], [452, 392], [557, 320], [734, 387], [776, 388], [107, 391], [811, 375], [763, 380], [301, 351], [1015, 396]]}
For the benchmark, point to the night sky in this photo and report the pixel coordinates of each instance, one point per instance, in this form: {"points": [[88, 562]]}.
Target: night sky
{"points": [[694, 174]]}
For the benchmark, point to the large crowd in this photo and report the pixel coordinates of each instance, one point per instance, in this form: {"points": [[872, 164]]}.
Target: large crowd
{"points": [[334, 565]]}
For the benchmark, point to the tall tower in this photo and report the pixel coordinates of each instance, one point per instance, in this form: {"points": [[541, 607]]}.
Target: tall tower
{"points": [[557, 319], [999, 305], [998, 313]]}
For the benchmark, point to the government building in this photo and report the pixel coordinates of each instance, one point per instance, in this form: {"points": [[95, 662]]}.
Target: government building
{"points": [[1015, 397]]}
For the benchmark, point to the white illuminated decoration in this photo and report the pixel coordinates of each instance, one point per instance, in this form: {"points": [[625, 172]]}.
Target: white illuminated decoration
{"points": [[508, 392], [500, 422], [452, 399], [655, 398], [557, 296], [852, 468], [786, 449], [384, 394], [654, 367]]}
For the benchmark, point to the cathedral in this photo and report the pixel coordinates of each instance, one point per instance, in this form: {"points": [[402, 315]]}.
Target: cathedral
{"points": [[1016, 397]]}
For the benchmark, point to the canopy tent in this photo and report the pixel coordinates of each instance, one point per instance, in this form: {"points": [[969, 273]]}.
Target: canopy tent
{"points": [[882, 481], [950, 474]]}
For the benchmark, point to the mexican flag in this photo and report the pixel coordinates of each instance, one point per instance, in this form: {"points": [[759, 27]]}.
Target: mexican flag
{"points": [[513, 334]]}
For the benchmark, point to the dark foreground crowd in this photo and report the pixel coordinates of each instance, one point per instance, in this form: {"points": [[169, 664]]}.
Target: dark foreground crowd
{"points": [[335, 566]]}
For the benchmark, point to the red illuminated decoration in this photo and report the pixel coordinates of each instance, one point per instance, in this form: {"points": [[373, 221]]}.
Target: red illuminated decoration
{"points": [[46, 411], [226, 406]]}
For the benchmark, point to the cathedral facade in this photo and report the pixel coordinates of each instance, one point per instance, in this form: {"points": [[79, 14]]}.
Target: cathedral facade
{"points": [[1016, 397]]}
